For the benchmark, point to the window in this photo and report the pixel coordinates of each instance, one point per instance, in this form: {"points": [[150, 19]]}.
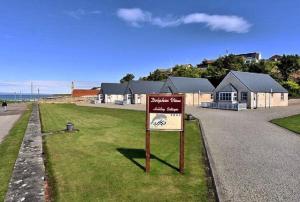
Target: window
{"points": [[235, 96], [212, 96], [225, 96], [282, 96], [244, 96]]}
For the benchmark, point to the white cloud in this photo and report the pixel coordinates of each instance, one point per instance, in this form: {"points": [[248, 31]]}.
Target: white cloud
{"points": [[134, 16], [165, 22], [219, 22], [79, 13], [229, 23]]}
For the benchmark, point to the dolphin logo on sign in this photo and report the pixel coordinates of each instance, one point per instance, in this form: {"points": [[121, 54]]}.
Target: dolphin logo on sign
{"points": [[159, 120]]}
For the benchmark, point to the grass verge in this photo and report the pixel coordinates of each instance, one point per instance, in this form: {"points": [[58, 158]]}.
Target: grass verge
{"points": [[105, 160], [291, 123], [9, 149]]}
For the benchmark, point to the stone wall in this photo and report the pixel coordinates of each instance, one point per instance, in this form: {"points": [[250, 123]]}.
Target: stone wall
{"points": [[27, 181], [69, 99]]}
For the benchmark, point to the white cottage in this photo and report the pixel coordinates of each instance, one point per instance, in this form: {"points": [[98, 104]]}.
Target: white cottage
{"points": [[112, 92], [253, 89], [136, 91]]}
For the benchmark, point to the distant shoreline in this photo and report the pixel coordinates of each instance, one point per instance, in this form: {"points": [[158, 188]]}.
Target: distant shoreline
{"points": [[23, 97]]}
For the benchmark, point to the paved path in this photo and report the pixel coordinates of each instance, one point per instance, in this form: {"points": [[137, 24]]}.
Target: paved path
{"points": [[252, 159], [8, 118]]}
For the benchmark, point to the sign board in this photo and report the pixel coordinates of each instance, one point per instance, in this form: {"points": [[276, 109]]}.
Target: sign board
{"points": [[165, 112]]}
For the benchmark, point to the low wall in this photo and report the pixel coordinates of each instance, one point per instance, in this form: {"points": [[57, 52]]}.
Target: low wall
{"points": [[27, 181], [195, 99], [68, 99]]}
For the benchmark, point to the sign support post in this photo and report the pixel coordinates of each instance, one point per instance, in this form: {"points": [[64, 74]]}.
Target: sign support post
{"points": [[181, 153], [165, 112], [181, 150], [148, 153]]}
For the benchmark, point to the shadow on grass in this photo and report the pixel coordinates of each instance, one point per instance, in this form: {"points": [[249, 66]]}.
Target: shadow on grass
{"points": [[133, 154]]}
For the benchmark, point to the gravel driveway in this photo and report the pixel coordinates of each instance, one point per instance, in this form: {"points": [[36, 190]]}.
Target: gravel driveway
{"points": [[252, 159]]}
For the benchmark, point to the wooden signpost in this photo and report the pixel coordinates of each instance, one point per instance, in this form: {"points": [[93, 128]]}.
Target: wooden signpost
{"points": [[165, 112]]}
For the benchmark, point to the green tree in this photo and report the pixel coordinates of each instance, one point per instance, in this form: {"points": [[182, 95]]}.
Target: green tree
{"points": [[262, 66], [127, 77], [215, 74], [222, 66], [158, 75], [186, 71], [291, 86], [178, 70], [230, 62], [288, 65]]}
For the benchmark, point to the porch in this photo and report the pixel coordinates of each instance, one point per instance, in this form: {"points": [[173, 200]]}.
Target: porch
{"points": [[227, 106]]}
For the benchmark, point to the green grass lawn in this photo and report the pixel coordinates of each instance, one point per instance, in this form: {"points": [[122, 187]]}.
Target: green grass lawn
{"points": [[9, 150], [292, 123], [105, 160]]}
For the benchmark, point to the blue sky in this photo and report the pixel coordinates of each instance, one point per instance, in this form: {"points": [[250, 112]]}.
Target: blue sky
{"points": [[54, 42]]}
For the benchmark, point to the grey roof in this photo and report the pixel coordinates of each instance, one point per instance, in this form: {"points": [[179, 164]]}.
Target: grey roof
{"points": [[144, 87], [228, 88], [113, 88], [187, 85], [257, 82], [249, 55]]}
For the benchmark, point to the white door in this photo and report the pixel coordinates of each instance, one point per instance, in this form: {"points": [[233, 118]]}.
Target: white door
{"points": [[139, 99], [129, 97], [254, 100]]}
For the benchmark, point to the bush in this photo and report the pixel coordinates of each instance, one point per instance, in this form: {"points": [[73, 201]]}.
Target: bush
{"points": [[292, 87]]}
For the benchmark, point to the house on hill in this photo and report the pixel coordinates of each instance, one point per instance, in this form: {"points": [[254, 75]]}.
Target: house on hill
{"points": [[136, 91], [196, 90], [112, 92], [250, 57], [205, 64], [253, 89], [275, 58]]}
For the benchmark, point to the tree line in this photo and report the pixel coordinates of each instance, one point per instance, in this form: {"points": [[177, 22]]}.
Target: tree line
{"points": [[286, 71]]}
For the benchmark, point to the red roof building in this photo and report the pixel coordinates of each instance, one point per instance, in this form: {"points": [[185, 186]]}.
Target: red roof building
{"points": [[85, 93]]}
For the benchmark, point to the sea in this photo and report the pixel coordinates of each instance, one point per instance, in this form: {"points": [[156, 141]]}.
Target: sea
{"points": [[22, 97]]}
